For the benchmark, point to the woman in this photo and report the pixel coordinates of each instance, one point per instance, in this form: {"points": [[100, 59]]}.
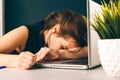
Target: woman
{"points": [[59, 35]]}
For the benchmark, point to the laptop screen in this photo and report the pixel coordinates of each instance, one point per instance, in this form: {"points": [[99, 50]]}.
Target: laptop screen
{"points": [[24, 12], [93, 58]]}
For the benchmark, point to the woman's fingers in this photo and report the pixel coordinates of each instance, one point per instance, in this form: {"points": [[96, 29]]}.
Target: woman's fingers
{"points": [[46, 54], [42, 53], [26, 60], [24, 66], [27, 54]]}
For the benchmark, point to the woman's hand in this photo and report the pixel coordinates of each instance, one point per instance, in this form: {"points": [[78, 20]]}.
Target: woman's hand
{"points": [[46, 54], [25, 60]]}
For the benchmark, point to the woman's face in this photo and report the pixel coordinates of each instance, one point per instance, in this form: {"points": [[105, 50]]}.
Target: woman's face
{"points": [[53, 41], [57, 42]]}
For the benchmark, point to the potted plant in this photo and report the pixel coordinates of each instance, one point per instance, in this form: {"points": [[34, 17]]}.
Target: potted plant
{"points": [[107, 25]]}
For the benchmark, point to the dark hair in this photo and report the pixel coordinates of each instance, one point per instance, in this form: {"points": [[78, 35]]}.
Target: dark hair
{"points": [[51, 20], [72, 24]]}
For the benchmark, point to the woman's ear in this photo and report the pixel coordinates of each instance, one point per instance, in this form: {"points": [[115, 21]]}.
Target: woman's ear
{"points": [[56, 28]]}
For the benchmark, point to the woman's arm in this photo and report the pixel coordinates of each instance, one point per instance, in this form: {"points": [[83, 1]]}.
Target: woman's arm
{"points": [[24, 60], [74, 53], [14, 39], [8, 60], [51, 54]]}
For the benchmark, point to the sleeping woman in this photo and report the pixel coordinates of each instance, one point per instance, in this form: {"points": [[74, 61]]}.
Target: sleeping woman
{"points": [[60, 35]]}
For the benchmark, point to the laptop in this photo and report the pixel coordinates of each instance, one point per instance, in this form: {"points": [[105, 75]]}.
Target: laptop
{"points": [[93, 57], [1, 17]]}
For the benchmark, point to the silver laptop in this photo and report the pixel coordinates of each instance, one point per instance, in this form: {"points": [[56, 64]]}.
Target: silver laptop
{"points": [[93, 57], [1, 18]]}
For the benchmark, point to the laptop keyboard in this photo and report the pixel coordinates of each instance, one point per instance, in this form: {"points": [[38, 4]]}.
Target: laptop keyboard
{"points": [[80, 61]]}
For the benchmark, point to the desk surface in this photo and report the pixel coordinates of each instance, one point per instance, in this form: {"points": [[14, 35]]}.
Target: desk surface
{"points": [[54, 74]]}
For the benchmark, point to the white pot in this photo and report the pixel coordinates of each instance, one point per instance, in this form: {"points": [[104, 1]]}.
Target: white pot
{"points": [[109, 52]]}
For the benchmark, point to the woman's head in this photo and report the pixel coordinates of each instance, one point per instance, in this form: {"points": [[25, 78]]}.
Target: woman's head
{"points": [[70, 26], [75, 25]]}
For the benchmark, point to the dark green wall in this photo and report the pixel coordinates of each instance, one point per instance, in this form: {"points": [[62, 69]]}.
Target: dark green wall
{"points": [[20, 12], [99, 1]]}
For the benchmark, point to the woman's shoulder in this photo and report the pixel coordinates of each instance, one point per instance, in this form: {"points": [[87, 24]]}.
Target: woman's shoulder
{"points": [[19, 29]]}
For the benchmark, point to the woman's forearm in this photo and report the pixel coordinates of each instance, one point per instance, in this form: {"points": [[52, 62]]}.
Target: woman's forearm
{"points": [[8, 60], [69, 54]]}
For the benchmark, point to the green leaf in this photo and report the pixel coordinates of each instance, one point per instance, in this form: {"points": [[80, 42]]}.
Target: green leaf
{"points": [[108, 25]]}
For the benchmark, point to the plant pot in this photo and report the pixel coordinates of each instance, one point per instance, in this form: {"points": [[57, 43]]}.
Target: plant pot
{"points": [[109, 52]]}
